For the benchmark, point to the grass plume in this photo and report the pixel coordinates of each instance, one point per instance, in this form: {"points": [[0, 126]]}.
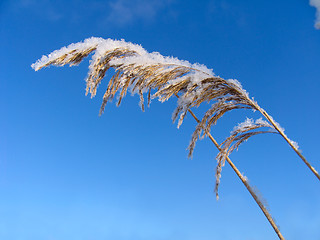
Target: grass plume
{"points": [[156, 76], [141, 72]]}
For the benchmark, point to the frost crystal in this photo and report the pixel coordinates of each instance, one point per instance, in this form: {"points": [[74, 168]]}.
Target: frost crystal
{"points": [[295, 144]]}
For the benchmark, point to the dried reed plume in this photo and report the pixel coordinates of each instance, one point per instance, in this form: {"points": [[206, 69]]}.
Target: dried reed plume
{"points": [[141, 72], [240, 134]]}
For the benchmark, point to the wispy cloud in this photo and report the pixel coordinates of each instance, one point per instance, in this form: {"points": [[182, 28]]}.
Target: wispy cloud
{"points": [[123, 12], [316, 4], [112, 12], [45, 8]]}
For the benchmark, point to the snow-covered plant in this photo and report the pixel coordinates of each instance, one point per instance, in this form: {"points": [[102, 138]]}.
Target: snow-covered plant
{"points": [[152, 75]]}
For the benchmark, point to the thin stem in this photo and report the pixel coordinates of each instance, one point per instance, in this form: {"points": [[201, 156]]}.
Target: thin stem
{"points": [[275, 125], [245, 182]]}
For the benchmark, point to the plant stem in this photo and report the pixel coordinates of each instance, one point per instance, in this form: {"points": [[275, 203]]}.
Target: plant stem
{"points": [[275, 125], [245, 182]]}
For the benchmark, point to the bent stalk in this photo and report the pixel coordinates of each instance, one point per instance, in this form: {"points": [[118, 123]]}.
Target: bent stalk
{"points": [[245, 182], [280, 131]]}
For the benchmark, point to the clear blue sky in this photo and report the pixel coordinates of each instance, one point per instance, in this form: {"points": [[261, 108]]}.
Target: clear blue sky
{"points": [[66, 173]]}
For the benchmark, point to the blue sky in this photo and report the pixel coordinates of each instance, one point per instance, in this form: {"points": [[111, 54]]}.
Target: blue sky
{"points": [[66, 173]]}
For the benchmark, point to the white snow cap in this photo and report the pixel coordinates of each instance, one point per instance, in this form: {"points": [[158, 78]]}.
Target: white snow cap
{"points": [[104, 45], [316, 4], [249, 122]]}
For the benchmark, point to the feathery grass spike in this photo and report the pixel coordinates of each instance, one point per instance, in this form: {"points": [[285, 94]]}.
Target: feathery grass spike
{"points": [[240, 134], [140, 71]]}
